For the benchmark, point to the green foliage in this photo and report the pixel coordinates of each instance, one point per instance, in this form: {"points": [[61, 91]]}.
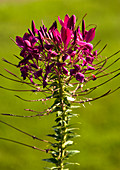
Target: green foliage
{"points": [[51, 160], [71, 163], [72, 152]]}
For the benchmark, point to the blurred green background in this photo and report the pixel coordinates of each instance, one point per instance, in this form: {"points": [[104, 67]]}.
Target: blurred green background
{"points": [[99, 122]]}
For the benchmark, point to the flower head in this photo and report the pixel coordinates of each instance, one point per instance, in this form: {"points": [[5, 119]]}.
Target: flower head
{"points": [[53, 52]]}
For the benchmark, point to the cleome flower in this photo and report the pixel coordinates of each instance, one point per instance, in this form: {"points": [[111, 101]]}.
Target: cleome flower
{"points": [[50, 52], [59, 63]]}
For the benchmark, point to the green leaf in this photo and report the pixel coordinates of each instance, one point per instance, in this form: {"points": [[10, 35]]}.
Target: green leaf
{"points": [[55, 94], [54, 84], [59, 113], [70, 116], [55, 153], [57, 101], [54, 77], [57, 137], [70, 85], [74, 107], [66, 101], [68, 143], [68, 110], [58, 119], [71, 163], [70, 99], [71, 129], [72, 152], [57, 130], [72, 136], [51, 160], [54, 145]]}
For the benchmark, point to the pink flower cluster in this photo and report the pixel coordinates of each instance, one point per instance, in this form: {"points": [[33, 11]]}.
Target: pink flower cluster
{"points": [[46, 53]]}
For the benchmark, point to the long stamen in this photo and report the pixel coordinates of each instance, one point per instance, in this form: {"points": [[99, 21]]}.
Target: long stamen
{"points": [[34, 137], [33, 147]]}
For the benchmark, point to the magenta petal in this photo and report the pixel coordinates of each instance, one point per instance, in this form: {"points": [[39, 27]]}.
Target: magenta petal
{"points": [[31, 79], [40, 36], [73, 53], [61, 22], [34, 30], [38, 74], [84, 62], [44, 28], [65, 57], [78, 30], [42, 31], [90, 68], [66, 20], [66, 36], [19, 41], [75, 36], [57, 36], [95, 53], [81, 43], [89, 59], [27, 43], [83, 29], [61, 64], [34, 41], [53, 27], [44, 83], [27, 36], [71, 22], [24, 72], [90, 35], [89, 46], [80, 77], [52, 53], [72, 72], [77, 67], [65, 71], [48, 46], [48, 68]]}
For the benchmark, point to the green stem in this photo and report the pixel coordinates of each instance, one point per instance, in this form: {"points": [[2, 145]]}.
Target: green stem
{"points": [[61, 148]]}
